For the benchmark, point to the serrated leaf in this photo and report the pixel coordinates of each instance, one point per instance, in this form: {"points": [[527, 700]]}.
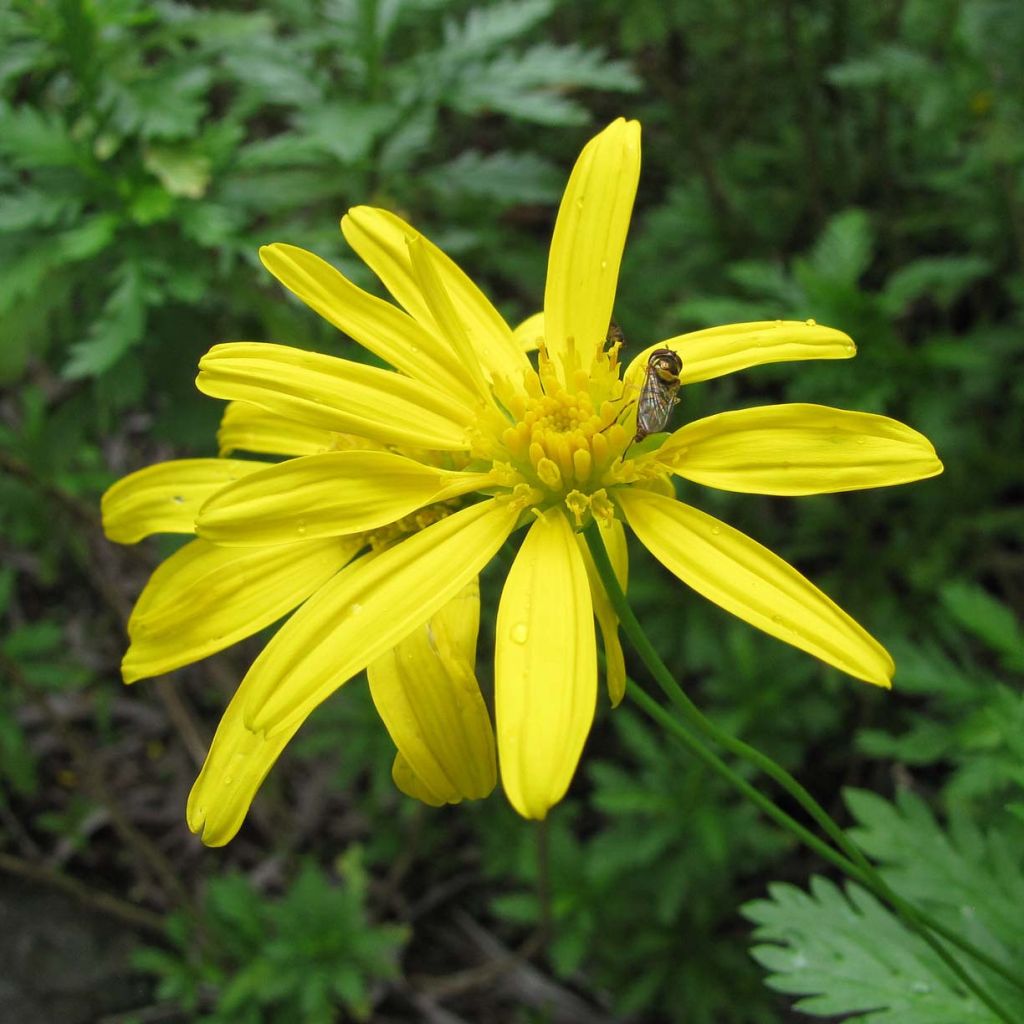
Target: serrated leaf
{"points": [[34, 138], [347, 130], [88, 238], [939, 278], [988, 619], [533, 85], [485, 29], [843, 250], [887, 64], [119, 326], [167, 103], [846, 954], [505, 177], [962, 875], [33, 208]]}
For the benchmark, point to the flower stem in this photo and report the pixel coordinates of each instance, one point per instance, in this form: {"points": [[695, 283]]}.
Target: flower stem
{"points": [[852, 860]]}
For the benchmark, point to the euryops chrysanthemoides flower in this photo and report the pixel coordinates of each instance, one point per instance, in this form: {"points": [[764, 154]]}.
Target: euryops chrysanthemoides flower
{"points": [[393, 489]]}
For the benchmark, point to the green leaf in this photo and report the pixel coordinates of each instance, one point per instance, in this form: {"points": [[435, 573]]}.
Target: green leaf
{"points": [[88, 238], [989, 620], [166, 103], [486, 29], [973, 880], [532, 86], [347, 130], [33, 138], [939, 278], [848, 954], [891, 64], [843, 251], [504, 177], [845, 953], [181, 170], [33, 208], [119, 326]]}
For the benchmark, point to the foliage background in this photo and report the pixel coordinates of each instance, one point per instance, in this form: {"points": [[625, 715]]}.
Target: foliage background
{"points": [[862, 164]]}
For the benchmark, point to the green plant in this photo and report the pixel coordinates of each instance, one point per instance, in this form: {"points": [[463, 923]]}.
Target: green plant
{"points": [[846, 954], [249, 958]]}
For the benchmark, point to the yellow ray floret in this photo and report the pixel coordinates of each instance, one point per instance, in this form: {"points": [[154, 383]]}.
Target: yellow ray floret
{"points": [[746, 579], [426, 692], [545, 667], [798, 449]]}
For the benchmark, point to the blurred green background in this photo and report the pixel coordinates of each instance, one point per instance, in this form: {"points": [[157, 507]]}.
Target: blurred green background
{"points": [[862, 164]]}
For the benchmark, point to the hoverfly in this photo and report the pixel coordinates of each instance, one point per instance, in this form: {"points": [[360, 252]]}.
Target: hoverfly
{"points": [[658, 393]]}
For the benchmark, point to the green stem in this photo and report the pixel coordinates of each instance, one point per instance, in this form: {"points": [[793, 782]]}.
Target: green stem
{"points": [[855, 864]]}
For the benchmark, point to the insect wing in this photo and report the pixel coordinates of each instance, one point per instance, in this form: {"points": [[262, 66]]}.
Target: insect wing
{"points": [[654, 404]]}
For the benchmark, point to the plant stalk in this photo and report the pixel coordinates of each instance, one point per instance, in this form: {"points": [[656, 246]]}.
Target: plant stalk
{"points": [[852, 861]]}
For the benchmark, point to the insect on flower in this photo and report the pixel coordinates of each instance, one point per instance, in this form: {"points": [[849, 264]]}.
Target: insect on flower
{"points": [[658, 393]]}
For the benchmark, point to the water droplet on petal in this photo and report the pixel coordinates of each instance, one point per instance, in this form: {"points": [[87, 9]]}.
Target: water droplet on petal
{"points": [[716, 530], [178, 500], [777, 619], [228, 779], [811, 323], [301, 527], [850, 347], [778, 323], [355, 609], [520, 631]]}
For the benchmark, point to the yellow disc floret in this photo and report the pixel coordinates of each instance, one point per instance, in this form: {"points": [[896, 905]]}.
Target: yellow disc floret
{"points": [[562, 435]]}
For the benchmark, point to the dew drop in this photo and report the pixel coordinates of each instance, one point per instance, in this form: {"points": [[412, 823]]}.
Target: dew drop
{"points": [[301, 528], [777, 619], [716, 530], [519, 633], [604, 264], [850, 347], [228, 779], [178, 499], [811, 323], [355, 609], [860, 440], [778, 323]]}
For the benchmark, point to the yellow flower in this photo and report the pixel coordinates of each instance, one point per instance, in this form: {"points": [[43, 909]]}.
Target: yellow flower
{"points": [[468, 435]]}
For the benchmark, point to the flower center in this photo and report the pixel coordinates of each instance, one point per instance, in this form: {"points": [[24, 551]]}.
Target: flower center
{"points": [[565, 437]]}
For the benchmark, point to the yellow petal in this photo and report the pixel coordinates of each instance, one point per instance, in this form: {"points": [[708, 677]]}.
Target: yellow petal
{"points": [[245, 427], [165, 498], [406, 780], [326, 496], [744, 578], [366, 609], [427, 695], [587, 244], [545, 667], [717, 351], [448, 320], [205, 598], [530, 333], [614, 537], [380, 239], [374, 323], [334, 394], [234, 770], [798, 449]]}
